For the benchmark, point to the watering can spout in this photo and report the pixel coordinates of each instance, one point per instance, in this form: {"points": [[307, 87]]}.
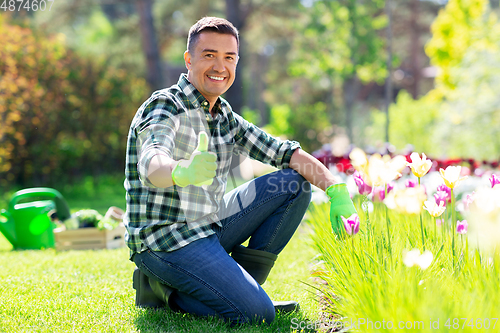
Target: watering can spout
{"points": [[8, 227]]}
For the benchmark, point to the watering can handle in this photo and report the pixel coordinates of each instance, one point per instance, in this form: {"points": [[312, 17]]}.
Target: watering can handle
{"points": [[62, 208], [8, 228]]}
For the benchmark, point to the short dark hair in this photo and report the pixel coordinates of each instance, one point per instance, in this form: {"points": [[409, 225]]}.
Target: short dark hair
{"points": [[214, 24]]}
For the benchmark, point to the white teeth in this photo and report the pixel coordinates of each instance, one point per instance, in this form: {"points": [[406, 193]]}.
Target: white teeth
{"points": [[216, 78]]}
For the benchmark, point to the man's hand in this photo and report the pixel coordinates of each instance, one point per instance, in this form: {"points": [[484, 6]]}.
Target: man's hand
{"points": [[340, 205], [199, 169]]}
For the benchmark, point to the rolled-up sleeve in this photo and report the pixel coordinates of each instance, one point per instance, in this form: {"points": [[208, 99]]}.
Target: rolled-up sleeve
{"points": [[261, 146], [155, 135]]}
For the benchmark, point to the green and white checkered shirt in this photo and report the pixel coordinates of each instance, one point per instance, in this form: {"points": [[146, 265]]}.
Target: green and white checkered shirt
{"points": [[165, 219]]}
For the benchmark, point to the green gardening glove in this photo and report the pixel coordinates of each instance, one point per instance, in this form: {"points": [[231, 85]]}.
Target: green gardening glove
{"points": [[340, 205], [199, 169]]}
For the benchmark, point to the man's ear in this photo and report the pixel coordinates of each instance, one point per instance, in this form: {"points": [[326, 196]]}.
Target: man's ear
{"points": [[187, 60]]}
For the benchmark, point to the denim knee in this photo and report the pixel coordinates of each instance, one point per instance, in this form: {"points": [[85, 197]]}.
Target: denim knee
{"points": [[298, 185], [260, 313], [289, 180]]}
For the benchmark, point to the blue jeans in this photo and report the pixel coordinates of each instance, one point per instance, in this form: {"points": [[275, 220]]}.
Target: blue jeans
{"points": [[207, 280]]}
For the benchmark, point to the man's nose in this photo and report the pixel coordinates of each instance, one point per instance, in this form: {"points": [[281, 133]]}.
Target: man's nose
{"points": [[219, 65]]}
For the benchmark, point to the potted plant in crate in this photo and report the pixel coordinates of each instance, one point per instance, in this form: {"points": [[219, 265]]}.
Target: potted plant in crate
{"points": [[88, 229]]}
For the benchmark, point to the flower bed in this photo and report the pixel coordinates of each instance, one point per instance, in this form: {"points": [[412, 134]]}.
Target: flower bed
{"points": [[421, 261]]}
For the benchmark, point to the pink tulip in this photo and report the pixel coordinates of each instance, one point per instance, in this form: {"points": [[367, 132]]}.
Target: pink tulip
{"points": [[379, 192], [363, 187], [351, 224], [494, 180], [441, 196], [446, 189], [439, 222], [462, 227], [469, 199], [411, 183]]}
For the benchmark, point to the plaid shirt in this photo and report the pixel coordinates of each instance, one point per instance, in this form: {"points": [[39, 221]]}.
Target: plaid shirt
{"points": [[165, 219]]}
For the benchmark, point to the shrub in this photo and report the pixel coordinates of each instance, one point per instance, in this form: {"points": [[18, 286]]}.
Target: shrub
{"points": [[61, 115]]}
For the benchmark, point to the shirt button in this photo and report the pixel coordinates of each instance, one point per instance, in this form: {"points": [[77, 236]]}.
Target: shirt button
{"points": [[204, 103]]}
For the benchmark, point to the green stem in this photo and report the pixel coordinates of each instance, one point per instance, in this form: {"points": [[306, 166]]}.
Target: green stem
{"points": [[453, 224], [388, 228], [365, 210], [435, 227], [443, 223], [421, 223], [352, 239]]}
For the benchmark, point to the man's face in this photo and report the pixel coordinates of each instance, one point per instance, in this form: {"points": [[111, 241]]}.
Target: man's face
{"points": [[212, 65]]}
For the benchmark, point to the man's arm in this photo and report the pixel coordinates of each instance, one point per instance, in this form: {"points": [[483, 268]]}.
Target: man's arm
{"points": [[160, 171], [312, 170]]}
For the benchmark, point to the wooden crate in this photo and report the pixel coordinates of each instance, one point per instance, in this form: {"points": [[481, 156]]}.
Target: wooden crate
{"points": [[89, 238]]}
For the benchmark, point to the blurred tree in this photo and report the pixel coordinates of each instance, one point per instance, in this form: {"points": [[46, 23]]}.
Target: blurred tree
{"points": [[237, 14], [470, 114], [455, 29], [342, 47], [411, 21], [149, 44], [61, 115], [460, 117], [109, 31]]}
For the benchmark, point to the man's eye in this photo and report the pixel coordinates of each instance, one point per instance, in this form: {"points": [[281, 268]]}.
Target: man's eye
{"points": [[209, 55], [230, 58]]}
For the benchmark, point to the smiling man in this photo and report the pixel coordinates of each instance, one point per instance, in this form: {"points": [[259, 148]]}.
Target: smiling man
{"points": [[184, 232], [211, 61]]}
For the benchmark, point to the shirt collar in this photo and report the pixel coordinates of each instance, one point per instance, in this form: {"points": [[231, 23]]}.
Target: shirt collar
{"points": [[195, 97]]}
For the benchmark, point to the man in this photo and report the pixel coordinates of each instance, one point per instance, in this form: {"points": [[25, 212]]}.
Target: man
{"points": [[181, 226]]}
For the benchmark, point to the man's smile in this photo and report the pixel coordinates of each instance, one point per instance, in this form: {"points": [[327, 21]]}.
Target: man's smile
{"points": [[217, 78]]}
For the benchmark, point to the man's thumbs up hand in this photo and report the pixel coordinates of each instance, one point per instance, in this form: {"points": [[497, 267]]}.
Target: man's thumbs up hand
{"points": [[202, 142], [199, 169]]}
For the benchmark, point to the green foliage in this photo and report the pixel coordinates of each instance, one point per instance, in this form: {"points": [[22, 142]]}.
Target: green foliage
{"points": [[251, 115], [87, 218], [457, 27], [411, 122], [90, 218], [342, 40], [61, 115], [303, 123], [279, 122], [470, 115]]}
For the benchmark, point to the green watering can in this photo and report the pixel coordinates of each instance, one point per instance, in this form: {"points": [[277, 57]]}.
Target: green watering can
{"points": [[26, 223]]}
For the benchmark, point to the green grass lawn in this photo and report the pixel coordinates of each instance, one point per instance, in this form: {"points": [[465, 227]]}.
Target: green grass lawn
{"points": [[91, 291]]}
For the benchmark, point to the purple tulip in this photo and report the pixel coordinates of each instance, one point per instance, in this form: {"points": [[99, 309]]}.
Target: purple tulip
{"points": [[363, 187], [351, 224], [411, 183], [441, 196], [494, 180], [446, 189], [462, 227]]}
